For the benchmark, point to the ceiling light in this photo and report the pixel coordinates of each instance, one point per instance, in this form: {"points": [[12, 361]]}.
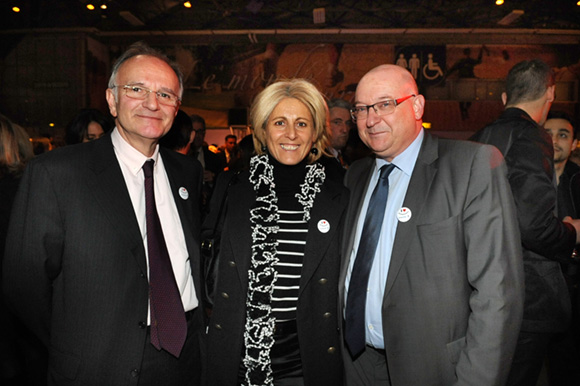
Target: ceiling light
{"points": [[103, 6], [15, 9], [187, 4], [90, 7], [498, 2]]}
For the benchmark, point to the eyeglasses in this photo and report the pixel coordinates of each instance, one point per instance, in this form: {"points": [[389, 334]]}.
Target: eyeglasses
{"points": [[140, 92], [385, 107]]}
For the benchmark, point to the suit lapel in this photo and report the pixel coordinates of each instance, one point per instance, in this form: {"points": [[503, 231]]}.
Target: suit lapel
{"points": [[358, 187], [415, 199], [317, 242], [177, 181], [110, 192]]}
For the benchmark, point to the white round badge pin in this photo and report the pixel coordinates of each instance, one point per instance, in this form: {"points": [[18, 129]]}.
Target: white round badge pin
{"points": [[323, 226], [404, 214], [183, 193]]}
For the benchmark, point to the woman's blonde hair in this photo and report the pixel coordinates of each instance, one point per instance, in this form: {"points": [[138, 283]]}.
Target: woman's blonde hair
{"points": [[305, 92], [15, 148]]}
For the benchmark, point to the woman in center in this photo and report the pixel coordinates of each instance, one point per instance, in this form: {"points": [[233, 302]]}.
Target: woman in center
{"points": [[274, 320]]}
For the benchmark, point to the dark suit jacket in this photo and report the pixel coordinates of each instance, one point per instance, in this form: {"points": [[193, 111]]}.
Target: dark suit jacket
{"points": [[453, 299], [317, 318], [529, 156], [75, 265]]}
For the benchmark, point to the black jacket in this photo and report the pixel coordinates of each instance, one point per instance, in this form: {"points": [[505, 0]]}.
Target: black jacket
{"points": [[317, 317], [529, 155]]}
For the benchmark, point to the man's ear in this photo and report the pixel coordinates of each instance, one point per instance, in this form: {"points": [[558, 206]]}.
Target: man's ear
{"points": [[110, 95], [551, 93], [504, 98], [419, 106]]}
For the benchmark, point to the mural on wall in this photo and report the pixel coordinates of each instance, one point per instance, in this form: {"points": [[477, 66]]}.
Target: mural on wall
{"points": [[230, 76]]}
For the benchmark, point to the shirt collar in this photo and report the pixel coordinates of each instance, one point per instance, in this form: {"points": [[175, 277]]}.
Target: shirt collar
{"points": [[406, 160], [130, 156]]}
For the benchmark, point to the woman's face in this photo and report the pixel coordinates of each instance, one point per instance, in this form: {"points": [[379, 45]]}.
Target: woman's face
{"points": [[94, 131], [290, 132]]}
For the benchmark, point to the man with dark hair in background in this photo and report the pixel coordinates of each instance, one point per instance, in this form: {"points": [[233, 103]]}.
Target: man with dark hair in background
{"points": [[563, 354], [181, 134], [212, 163], [529, 155]]}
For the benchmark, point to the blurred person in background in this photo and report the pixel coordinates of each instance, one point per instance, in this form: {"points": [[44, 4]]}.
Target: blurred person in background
{"points": [[23, 358], [87, 125]]}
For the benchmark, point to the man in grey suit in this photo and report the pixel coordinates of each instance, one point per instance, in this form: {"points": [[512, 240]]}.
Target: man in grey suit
{"points": [[443, 289], [87, 241]]}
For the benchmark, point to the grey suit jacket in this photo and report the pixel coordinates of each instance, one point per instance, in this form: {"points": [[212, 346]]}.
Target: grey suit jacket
{"points": [[453, 300], [75, 266]]}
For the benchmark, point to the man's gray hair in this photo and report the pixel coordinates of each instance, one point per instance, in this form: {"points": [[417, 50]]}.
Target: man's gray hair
{"points": [[142, 48]]}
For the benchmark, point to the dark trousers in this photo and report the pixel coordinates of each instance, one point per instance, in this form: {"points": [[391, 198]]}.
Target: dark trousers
{"points": [[369, 369], [528, 359], [159, 368]]}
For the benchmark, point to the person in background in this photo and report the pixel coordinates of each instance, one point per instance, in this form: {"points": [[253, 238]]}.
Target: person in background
{"points": [[23, 358], [275, 320], [563, 358], [529, 155], [211, 162], [340, 125], [181, 134], [102, 260], [431, 284], [89, 124]]}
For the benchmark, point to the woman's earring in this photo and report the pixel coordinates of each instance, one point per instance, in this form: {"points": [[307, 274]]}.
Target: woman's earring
{"points": [[314, 151], [264, 148]]}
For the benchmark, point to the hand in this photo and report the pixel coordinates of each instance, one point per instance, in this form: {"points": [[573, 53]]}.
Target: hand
{"points": [[576, 224]]}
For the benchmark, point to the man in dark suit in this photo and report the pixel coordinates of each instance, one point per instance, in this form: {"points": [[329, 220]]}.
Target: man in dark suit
{"points": [[86, 242], [212, 163], [443, 288], [336, 163], [563, 353], [529, 155]]}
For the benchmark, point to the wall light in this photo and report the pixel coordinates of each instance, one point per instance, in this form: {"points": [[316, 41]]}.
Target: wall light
{"points": [[187, 4], [498, 2], [90, 7], [15, 9], [103, 6]]}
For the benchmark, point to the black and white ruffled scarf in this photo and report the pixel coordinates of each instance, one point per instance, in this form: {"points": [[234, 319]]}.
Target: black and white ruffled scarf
{"points": [[259, 331]]}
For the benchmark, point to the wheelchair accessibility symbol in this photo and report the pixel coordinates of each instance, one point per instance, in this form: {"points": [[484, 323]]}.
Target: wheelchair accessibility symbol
{"points": [[432, 70]]}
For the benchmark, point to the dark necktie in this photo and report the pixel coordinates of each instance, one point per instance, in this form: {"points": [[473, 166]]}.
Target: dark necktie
{"points": [[357, 289], [168, 324]]}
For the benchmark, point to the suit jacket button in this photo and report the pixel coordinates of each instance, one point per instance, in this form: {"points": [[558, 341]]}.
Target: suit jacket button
{"points": [[225, 295], [135, 373], [232, 263], [218, 326], [323, 280], [327, 315], [331, 350], [142, 325]]}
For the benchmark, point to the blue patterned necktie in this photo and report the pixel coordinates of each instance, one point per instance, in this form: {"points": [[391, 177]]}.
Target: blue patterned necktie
{"points": [[168, 324], [357, 289]]}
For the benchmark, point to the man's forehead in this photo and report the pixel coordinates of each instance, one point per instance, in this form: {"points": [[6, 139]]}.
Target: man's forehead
{"points": [[558, 123]]}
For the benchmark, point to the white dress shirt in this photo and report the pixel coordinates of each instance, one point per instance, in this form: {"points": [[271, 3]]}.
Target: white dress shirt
{"points": [[398, 183], [131, 162]]}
